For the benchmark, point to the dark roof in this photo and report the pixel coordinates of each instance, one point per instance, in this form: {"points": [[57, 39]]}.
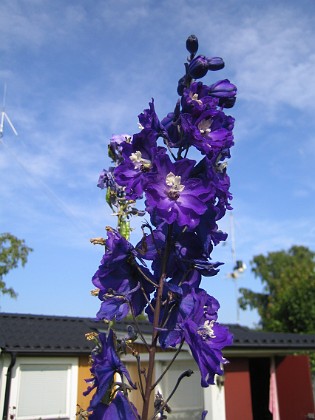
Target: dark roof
{"points": [[245, 338], [26, 334], [44, 334]]}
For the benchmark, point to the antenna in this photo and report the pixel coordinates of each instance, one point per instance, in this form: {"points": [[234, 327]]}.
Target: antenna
{"points": [[238, 266], [4, 115]]}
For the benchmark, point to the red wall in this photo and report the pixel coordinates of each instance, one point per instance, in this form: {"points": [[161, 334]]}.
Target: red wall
{"points": [[238, 404], [294, 387]]}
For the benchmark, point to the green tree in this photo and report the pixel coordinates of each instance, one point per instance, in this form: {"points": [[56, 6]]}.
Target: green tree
{"points": [[12, 252], [287, 303]]}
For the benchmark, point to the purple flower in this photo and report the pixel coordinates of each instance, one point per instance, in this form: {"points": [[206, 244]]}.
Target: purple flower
{"points": [[171, 123], [120, 408], [208, 231], [197, 99], [138, 162], [206, 343], [183, 303], [187, 261], [172, 195], [191, 314], [105, 363], [210, 133], [113, 306], [119, 278], [116, 146], [149, 121], [107, 180]]}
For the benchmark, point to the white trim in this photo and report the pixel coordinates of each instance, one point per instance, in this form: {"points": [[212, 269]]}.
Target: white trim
{"points": [[4, 364], [214, 399]]}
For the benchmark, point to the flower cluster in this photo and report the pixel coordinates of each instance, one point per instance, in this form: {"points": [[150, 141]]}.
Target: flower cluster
{"points": [[177, 165]]}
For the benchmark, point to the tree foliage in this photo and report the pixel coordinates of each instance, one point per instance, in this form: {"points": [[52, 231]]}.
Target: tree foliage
{"points": [[287, 303], [13, 251]]}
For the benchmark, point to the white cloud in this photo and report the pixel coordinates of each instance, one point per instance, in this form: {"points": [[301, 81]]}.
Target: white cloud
{"points": [[274, 59]]}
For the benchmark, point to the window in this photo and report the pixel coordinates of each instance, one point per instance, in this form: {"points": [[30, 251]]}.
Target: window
{"points": [[44, 388], [187, 402]]}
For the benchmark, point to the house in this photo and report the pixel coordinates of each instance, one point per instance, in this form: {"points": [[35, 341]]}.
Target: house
{"points": [[44, 361]]}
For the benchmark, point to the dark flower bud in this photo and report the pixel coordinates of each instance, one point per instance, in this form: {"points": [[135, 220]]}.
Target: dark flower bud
{"points": [[215, 63], [182, 84], [168, 120], [192, 44], [198, 67], [176, 111]]}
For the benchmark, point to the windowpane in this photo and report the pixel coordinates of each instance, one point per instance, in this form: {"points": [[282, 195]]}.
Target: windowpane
{"points": [[43, 390], [187, 402]]}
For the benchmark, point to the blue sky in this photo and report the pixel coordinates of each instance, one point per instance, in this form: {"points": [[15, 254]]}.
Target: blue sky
{"points": [[78, 71]]}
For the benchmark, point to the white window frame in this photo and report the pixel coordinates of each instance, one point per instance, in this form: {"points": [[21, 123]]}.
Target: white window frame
{"points": [[72, 385]]}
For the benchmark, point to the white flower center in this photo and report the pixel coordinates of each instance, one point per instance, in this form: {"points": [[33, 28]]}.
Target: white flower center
{"points": [[173, 181], [206, 331], [195, 98], [204, 126], [221, 166], [139, 162]]}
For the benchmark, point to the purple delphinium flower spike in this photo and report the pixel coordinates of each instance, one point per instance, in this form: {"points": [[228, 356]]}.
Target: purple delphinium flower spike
{"points": [[184, 200]]}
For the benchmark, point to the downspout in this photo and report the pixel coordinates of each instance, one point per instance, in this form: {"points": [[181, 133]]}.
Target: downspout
{"points": [[8, 386]]}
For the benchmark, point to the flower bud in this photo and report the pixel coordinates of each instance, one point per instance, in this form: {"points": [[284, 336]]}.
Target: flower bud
{"points": [[198, 67], [192, 44], [182, 84], [227, 102], [215, 63], [222, 89]]}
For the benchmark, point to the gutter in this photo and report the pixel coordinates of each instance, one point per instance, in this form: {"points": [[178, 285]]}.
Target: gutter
{"points": [[5, 415]]}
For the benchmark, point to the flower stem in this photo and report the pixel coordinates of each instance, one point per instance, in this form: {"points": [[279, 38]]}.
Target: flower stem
{"points": [[152, 350], [187, 373], [169, 365]]}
